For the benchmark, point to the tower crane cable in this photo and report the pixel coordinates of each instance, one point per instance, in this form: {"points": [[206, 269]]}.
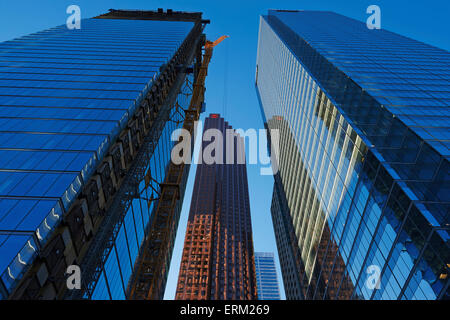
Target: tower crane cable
{"points": [[225, 84]]}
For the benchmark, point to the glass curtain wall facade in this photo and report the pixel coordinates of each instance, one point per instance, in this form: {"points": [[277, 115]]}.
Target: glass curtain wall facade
{"points": [[363, 181], [218, 257], [114, 280], [75, 107], [266, 276]]}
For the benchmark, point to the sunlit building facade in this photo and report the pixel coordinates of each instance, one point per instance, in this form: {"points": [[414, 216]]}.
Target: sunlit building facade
{"points": [[363, 188], [218, 258]]}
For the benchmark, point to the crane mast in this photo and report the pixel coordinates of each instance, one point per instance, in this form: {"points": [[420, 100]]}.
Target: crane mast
{"points": [[152, 262]]}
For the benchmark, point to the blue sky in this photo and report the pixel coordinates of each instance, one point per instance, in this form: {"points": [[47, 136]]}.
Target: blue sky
{"points": [[230, 83]]}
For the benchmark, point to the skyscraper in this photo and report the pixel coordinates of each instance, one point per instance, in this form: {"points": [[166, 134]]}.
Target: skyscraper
{"points": [[86, 117], [361, 200], [218, 259], [266, 276]]}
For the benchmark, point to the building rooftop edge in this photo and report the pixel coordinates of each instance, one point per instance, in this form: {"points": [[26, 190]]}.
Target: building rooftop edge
{"points": [[159, 14]]}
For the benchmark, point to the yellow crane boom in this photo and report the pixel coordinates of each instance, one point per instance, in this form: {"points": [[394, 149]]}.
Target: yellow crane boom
{"points": [[146, 283]]}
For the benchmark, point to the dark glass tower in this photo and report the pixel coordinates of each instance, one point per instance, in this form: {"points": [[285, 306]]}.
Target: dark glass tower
{"points": [[86, 117], [218, 259], [266, 276], [363, 188]]}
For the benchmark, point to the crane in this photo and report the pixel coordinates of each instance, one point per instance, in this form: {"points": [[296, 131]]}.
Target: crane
{"points": [[145, 283]]}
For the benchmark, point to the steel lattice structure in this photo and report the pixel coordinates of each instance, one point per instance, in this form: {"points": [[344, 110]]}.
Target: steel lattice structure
{"points": [[154, 258]]}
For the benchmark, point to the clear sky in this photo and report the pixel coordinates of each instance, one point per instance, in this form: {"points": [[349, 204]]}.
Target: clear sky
{"points": [[230, 83]]}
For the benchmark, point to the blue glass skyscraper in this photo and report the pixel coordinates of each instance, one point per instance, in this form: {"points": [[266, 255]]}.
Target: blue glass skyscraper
{"points": [[266, 276], [86, 118], [362, 197]]}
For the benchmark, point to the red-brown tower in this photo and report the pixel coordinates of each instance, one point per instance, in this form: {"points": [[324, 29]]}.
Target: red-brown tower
{"points": [[218, 256]]}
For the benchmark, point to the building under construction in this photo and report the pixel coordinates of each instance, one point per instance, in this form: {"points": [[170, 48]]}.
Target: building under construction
{"points": [[218, 258], [85, 140]]}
